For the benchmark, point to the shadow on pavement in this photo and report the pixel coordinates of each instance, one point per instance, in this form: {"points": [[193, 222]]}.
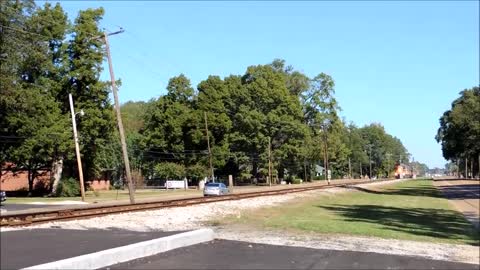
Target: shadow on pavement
{"points": [[408, 191], [438, 223], [457, 192]]}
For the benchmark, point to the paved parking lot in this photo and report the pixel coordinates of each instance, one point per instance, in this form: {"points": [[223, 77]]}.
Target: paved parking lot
{"points": [[223, 254], [25, 248]]}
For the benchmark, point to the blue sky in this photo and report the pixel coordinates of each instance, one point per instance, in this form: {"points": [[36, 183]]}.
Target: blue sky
{"points": [[396, 63]]}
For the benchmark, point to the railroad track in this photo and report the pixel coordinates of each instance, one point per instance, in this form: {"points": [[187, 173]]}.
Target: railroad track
{"points": [[82, 212]]}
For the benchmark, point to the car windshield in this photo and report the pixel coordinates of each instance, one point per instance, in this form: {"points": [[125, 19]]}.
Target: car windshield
{"points": [[213, 185]]}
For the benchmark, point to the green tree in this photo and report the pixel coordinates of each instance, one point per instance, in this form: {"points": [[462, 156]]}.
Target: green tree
{"points": [[30, 77], [358, 155], [170, 171], [133, 116], [459, 131], [85, 60], [172, 128], [382, 149], [41, 127]]}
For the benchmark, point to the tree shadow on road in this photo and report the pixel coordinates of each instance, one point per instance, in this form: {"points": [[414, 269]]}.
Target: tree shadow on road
{"points": [[457, 192], [437, 223]]}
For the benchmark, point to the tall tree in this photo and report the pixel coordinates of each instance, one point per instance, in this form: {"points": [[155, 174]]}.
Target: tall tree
{"points": [[89, 92], [459, 131], [171, 126], [30, 76]]}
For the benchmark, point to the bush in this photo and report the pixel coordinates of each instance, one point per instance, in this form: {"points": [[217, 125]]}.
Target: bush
{"points": [[170, 170], [68, 187], [297, 181], [197, 171]]}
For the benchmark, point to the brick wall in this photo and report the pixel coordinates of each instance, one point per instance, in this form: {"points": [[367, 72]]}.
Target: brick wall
{"points": [[10, 181], [18, 181], [99, 184]]}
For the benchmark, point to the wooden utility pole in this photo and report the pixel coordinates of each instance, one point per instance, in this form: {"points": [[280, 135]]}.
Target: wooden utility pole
{"points": [[119, 118], [77, 148], [269, 161], [305, 171], [458, 169], [370, 162], [471, 168], [209, 150], [325, 155], [349, 169], [478, 166], [466, 168]]}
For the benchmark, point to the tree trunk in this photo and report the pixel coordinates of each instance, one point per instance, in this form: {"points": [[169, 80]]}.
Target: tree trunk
{"points": [[30, 182], [478, 173], [280, 173], [57, 169], [471, 168], [254, 171], [458, 169]]}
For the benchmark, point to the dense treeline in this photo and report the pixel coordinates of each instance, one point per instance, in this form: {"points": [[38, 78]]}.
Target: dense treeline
{"points": [[298, 114], [459, 134], [44, 57]]}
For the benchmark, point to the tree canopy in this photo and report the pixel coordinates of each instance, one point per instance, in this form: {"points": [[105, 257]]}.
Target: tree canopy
{"points": [[459, 132]]}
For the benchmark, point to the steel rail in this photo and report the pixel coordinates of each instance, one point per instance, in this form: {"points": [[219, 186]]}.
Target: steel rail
{"points": [[50, 215]]}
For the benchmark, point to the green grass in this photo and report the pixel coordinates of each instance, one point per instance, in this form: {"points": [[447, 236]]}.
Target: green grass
{"points": [[411, 210], [109, 195]]}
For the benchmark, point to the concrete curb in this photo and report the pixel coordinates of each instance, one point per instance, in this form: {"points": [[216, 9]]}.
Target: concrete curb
{"points": [[130, 252]]}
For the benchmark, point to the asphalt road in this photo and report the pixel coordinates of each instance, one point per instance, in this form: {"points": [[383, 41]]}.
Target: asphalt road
{"points": [[19, 207], [25, 248], [223, 254], [464, 195]]}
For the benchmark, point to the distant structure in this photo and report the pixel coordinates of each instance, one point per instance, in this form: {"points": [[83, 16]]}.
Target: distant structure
{"points": [[404, 171]]}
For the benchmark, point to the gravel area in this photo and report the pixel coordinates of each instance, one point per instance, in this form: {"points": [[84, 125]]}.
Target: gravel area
{"points": [[198, 216], [446, 252]]}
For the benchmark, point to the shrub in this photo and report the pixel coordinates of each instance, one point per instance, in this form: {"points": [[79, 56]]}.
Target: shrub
{"points": [[169, 170], [197, 171], [68, 187], [297, 181]]}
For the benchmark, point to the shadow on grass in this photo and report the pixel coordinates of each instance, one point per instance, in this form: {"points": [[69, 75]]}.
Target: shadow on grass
{"points": [[437, 223]]}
